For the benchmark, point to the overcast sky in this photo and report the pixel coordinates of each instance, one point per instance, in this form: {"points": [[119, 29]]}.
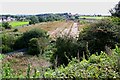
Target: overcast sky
{"points": [[54, 6]]}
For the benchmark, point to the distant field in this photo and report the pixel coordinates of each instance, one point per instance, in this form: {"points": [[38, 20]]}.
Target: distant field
{"points": [[17, 23], [47, 26], [90, 17]]}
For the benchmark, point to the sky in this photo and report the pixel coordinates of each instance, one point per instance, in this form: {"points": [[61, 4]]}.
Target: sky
{"points": [[88, 7]]}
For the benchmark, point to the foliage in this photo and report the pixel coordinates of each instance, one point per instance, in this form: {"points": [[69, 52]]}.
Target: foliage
{"points": [[33, 20], [33, 47], [101, 34], [15, 30], [116, 10], [100, 67], [1, 56], [50, 17], [6, 49], [83, 22], [7, 72], [24, 39], [6, 25], [116, 20], [66, 48], [8, 41], [37, 46], [2, 28], [49, 51]]}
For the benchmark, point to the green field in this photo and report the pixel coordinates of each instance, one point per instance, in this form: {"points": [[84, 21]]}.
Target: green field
{"points": [[17, 23], [92, 17]]}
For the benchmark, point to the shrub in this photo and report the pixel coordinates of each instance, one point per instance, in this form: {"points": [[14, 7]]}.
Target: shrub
{"points": [[33, 47], [2, 28], [66, 48], [6, 48], [94, 59], [104, 67], [116, 20], [15, 30], [99, 35], [8, 41], [37, 46], [6, 25], [24, 39]]}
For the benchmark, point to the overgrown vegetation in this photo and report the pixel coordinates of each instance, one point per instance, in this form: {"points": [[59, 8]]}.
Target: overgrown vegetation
{"points": [[8, 41], [37, 46], [95, 67], [99, 35], [27, 36], [95, 54], [66, 48], [6, 25]]}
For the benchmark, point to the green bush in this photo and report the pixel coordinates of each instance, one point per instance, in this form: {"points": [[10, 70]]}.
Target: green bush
{"points": [[96, 67], [33, 47], [24, 39], [116, 20], [2, 28], [106, 67], [15, 30], [94, 59], [6, 25], [101, 34], [8, 41], [37, 46], [66, 48], [6, 48]]}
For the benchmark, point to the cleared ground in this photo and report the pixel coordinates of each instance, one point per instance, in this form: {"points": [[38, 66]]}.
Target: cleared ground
{"points": [[47, 26], [53, 28]]}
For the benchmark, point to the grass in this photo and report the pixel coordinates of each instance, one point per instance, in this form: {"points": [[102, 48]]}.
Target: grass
{"points": [[82, 26], [19, 62], [17, 23], [92, 17]]}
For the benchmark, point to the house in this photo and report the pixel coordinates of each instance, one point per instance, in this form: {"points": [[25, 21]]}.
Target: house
{"points": [[6, 19]]}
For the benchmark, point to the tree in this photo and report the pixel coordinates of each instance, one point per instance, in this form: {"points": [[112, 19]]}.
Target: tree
{"points": [[42, 19], [67, 47], [116, 10], [101, 34], [37, 46], [24, 39], [6, 25], [33, 20]]}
